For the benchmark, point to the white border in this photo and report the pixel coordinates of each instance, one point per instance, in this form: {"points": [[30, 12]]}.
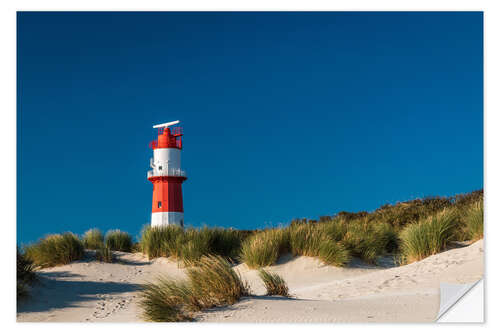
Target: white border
{"points": [[8, 139]]}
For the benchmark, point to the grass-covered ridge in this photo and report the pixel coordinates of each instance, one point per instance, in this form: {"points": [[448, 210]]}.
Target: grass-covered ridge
{"points": [[411, 230]]}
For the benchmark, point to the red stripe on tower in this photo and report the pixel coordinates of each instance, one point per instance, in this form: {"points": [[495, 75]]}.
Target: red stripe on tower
{"points": [[167, 176]]}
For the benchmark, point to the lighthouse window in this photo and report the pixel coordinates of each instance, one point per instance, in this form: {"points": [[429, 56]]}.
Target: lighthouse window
{"points": [[159, 168], [159, 204]]}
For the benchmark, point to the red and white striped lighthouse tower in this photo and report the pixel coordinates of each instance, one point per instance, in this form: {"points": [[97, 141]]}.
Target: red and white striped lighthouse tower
{"points": [[167, 176]]}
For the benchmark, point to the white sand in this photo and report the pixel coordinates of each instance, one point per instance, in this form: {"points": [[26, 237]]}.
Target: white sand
{"points": [[90, 291]]}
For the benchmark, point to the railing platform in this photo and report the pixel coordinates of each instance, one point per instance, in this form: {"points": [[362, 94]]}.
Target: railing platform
{"points": [[167, 173]]}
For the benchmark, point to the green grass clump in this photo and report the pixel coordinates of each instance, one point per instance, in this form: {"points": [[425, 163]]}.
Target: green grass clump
{"points": [[167, 301], [213, 282], [93, 239], [333, 253], [159, 241], [428, 237], [104, 254], [25, 274], [53, 250], [191, 244], [312, 240], [264, 248], [474, 221], [275, 285], [118, 240], [368, 240]]}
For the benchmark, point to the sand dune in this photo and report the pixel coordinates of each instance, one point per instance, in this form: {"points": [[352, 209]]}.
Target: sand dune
{"points": [[90, 291]]}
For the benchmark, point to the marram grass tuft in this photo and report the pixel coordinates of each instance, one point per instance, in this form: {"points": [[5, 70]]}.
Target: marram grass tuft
{"points": [[275, 285], [53, 250], [93, 239], [118, 240], [428, 237], [212, 282]]}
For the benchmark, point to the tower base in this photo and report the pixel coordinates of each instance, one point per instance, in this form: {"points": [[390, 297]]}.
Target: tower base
{"points": [[167, 218]]}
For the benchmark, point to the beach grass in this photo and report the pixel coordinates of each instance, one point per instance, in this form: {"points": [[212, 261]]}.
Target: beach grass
{"points": [[428, 237], [368, 240], [275, 284], [166, 300], [264, 248], [93, 239], [212, 282], [25, 274], [474, 221], [155, 241], [104, 254], [311, 240], [56, 249], [189, 245], [118, 240]]}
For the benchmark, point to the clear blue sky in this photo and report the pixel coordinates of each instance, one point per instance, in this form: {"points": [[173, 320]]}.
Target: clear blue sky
{"points": [[285, 114]]}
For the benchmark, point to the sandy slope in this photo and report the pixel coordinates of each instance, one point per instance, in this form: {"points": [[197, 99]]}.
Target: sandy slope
{"points": [[96, 292]]}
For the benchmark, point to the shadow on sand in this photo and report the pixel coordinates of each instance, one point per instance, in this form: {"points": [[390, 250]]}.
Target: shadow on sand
{"points": [[119, 259], [54, 290]]}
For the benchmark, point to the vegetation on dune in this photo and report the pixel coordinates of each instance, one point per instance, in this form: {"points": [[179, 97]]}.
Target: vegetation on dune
{"points": [[368, 241], [53, 250], [408, 212], [410, 230], [104, 254], [264, 248], [275, 285], [212, 282], [429, 236], [365, 235], [25, 274], [215, 282], [167, 301], [191, 244], [313, 241], [474, 221], [93, 239], [118, 240]]}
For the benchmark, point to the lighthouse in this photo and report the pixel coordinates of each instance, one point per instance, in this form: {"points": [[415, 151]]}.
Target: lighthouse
{"points": [[167, 176]]}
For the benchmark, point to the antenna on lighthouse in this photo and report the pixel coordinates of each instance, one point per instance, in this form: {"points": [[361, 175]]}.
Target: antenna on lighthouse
{"points": [[165, 125]]}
